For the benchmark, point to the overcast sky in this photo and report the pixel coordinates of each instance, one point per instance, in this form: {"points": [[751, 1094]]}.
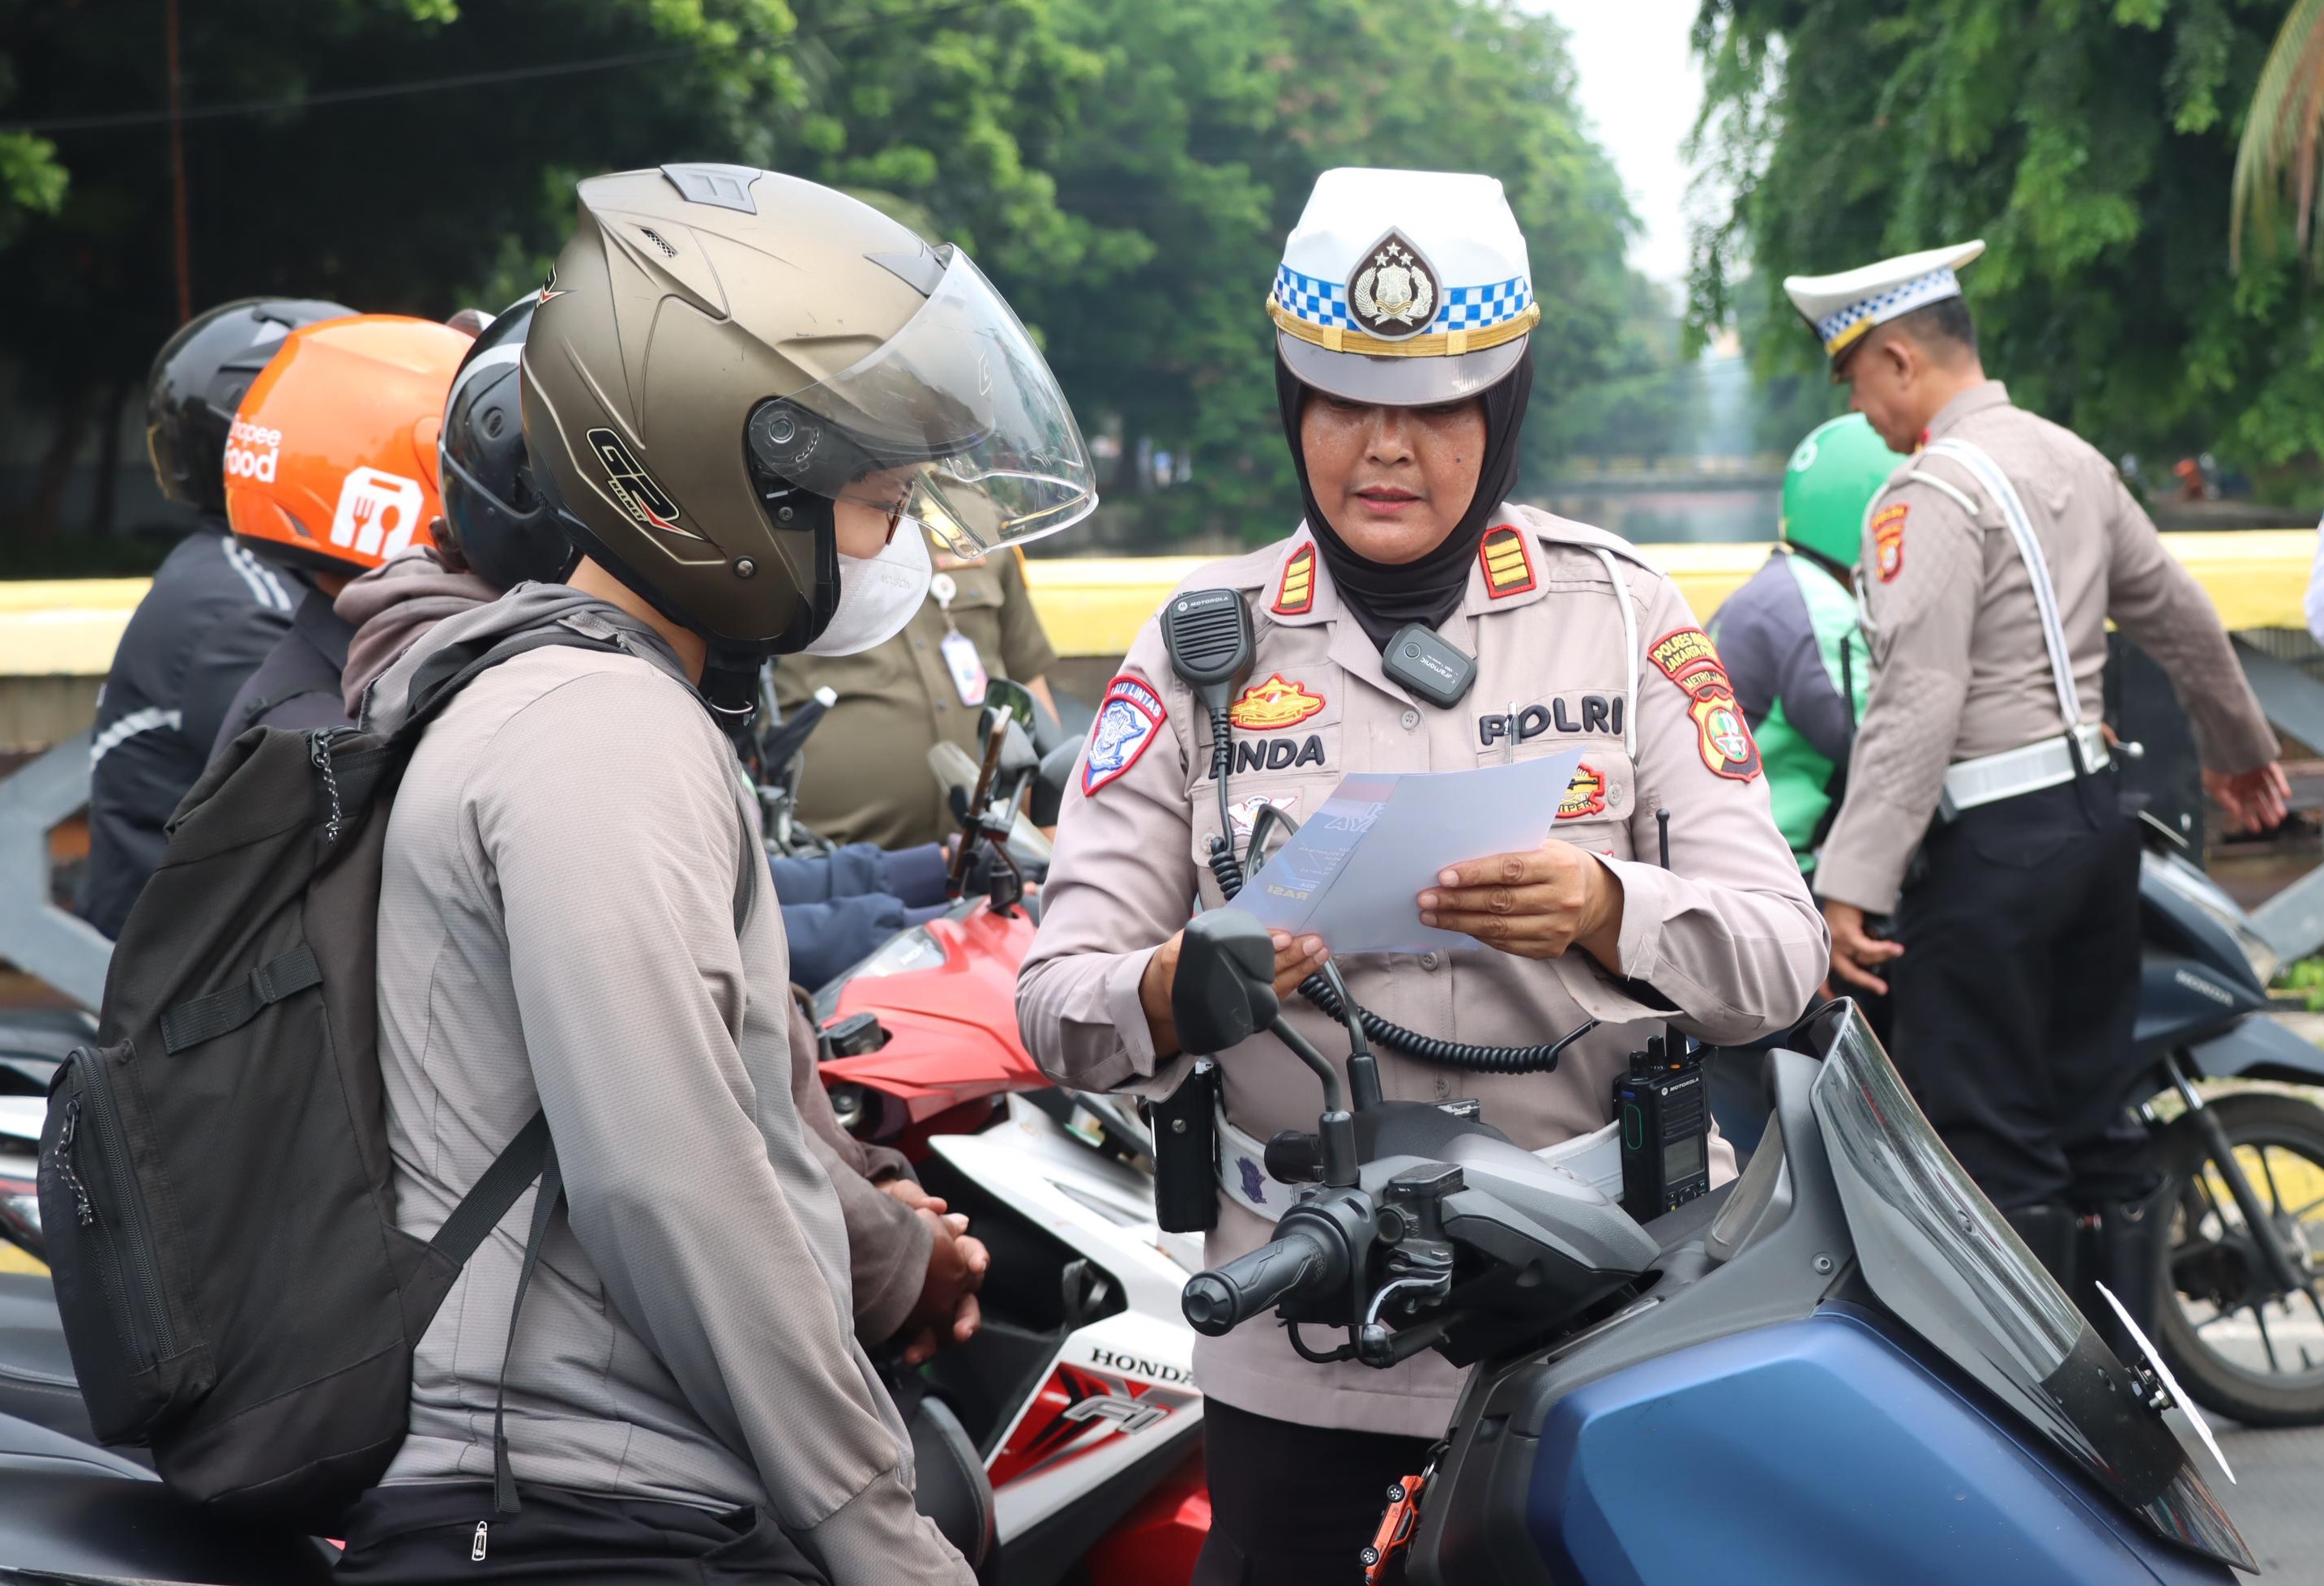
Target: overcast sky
{"points": [[1640, 89]]}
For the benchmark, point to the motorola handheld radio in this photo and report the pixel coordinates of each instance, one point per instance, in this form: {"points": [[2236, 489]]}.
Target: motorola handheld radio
{"points": [[1664, 1112]]}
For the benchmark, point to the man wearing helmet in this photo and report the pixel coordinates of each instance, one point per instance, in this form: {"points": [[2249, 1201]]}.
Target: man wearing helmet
{"points": [[213, 611], [344, 420], [745, 396], [1403, 309]]}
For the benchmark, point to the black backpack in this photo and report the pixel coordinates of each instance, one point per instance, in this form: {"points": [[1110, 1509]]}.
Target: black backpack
{"points": [[214, 1181]]}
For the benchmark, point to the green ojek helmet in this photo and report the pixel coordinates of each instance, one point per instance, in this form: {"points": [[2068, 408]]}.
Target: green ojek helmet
{"points": [[1832, 476]]}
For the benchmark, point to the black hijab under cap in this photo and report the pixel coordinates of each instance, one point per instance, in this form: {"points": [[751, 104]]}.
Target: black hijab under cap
{"points": [[1384, 596]]}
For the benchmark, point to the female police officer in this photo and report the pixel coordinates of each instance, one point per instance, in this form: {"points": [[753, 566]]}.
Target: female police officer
{"points": [[1403, 308]]}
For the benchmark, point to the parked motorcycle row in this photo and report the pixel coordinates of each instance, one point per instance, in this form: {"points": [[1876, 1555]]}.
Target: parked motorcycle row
{"points": [[1843, 1366]]}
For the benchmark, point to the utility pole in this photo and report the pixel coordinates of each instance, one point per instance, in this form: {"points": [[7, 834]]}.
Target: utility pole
{"points": [[178, 168]]}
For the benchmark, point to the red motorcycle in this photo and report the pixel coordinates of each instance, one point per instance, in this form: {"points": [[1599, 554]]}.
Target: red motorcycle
{"points": [[1078, 1391]]}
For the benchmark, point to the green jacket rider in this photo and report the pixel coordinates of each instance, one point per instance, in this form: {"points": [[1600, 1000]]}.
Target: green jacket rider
{"points": [[1799, 662]]}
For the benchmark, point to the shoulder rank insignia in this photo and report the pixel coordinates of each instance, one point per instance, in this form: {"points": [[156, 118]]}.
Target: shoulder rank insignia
{"points": [[1509, 565], [1688, 659], [1274, 704], [1129, 718], [1888, 540], [1296, 595]]}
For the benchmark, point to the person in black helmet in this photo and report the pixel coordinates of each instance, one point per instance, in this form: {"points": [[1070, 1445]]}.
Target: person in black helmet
{"points": [[213, 613]]}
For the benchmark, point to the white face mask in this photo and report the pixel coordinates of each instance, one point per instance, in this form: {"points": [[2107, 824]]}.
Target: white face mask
{"points": [[876, 594]]}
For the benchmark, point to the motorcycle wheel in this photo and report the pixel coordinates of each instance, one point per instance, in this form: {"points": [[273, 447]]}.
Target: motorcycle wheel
{"points": [[2239, 1347]]}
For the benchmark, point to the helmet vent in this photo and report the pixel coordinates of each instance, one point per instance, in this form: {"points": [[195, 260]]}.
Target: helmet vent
{"points": [[658, 241]]}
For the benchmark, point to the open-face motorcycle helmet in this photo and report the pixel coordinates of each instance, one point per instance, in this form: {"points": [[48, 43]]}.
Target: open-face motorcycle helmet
{"points": [[199, 378], [331, 466], [725, 354], [495, 520]]}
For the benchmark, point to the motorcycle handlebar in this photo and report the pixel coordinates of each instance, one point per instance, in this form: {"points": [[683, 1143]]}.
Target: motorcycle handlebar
{"points": [[1220, 1300]]}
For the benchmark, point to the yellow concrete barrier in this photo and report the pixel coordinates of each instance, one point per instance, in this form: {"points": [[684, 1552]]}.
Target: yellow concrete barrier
{"points": [[1093, 606]]}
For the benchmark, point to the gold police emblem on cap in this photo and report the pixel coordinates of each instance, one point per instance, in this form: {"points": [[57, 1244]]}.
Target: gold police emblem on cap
{"points": [[1393, 294]]}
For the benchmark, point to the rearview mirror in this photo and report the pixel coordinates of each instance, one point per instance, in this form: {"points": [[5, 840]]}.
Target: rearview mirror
{"points": [[1013, 697], [1225, 987]]}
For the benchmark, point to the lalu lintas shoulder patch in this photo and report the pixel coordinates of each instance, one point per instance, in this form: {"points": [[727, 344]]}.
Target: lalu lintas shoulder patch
{"points": [[1129, 718]]}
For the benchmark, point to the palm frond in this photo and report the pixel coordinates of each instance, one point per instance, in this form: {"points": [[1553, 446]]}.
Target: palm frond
{"points": [[2283, 135]]}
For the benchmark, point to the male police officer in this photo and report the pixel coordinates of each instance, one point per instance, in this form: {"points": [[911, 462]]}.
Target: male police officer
{"points": [[1990, 565], [1402, 311]]}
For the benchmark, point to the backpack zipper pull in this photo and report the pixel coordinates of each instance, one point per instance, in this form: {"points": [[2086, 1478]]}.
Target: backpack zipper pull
{"points": [[83, 1212], [476, 1550], [319, 753]]}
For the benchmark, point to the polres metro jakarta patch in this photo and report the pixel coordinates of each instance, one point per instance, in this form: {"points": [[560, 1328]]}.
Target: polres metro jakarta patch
{"points": [[1688, 659], [1888, 540], [1129, 718]]}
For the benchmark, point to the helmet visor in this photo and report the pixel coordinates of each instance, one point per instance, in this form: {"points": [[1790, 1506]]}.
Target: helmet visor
{"points": [[955, 423]]}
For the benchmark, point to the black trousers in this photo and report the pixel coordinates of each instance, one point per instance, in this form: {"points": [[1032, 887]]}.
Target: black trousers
{"points": [[2016, 991], [410, 1535], [1292, 1505]]}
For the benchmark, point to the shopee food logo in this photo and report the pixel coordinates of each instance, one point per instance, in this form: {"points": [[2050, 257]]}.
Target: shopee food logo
{"points": [[252, 451], [378, 512]]}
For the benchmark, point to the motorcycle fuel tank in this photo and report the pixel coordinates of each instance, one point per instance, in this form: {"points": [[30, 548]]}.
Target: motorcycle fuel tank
{"points": [[1814, 1451]]}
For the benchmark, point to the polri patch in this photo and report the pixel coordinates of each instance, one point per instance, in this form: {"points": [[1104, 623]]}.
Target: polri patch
{"points": [[1296, 595], [1688, 659], [1585, 795], [1888, 540], [1273, 706], [1129, 718], [1507, 563]]}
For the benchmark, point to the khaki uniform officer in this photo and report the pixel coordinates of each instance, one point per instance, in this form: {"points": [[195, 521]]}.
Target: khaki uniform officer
{"points": [[864, 776], [1991, 563], [1404, 404]]}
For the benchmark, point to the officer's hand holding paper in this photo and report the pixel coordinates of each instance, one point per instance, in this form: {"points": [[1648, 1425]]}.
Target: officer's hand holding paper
{"points": [[1422, 862]]}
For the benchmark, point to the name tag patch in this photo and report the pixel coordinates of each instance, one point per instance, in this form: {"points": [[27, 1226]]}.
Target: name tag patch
{"points": [[1888, 540], [1688, 659], [1600, 714], [1278, 754], [1129, 718]]}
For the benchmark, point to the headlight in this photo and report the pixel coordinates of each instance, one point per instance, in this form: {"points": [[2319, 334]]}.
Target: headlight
{"points": [[2200, 892]]}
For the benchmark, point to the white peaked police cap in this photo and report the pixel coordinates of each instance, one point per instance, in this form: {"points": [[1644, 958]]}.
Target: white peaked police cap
{"points": [[1406, 288], [1841, 309]]}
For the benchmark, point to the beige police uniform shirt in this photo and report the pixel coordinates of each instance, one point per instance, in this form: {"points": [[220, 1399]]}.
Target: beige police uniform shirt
{"points": [[1960, 668], [864, 776], [1729, 935]]}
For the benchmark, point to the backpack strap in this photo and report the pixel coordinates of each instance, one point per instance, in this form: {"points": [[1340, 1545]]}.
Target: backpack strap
{"points": [[439, 678], [532, 1155]]}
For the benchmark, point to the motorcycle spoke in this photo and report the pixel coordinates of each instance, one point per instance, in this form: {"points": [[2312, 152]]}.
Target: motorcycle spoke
{"points": [[2267, 1171], [2267, 1342]]}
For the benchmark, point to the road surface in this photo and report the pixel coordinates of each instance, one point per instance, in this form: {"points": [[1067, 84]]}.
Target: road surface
{"points": [[2278, 1500]]}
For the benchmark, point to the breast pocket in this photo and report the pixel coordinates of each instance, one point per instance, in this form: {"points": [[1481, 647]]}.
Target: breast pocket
{"points": [[1600, 802]]}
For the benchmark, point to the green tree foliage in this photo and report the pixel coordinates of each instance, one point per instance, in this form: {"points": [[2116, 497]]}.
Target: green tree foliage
{"points": [[1124, 170], [2090, 145]]}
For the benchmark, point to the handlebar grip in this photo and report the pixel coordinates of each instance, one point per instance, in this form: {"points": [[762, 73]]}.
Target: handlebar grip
{"points": [[1220, 1300]]}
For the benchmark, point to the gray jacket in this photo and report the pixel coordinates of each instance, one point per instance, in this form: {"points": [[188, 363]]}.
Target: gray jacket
{"points": [[564, 867]]}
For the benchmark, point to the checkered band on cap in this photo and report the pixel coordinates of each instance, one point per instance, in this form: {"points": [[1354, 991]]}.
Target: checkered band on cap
{"points": [[1838, 329], [1324, 303]]}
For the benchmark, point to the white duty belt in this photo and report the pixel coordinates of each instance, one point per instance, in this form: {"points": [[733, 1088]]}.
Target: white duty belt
{"points": [[1595, 1159], [2052, 761]]}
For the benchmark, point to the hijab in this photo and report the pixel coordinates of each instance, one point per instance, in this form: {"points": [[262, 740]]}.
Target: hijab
{"points": [[1384, 596]]}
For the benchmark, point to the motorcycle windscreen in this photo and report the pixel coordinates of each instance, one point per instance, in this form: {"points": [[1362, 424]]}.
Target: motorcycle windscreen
{"points": [[1940, 1257]]}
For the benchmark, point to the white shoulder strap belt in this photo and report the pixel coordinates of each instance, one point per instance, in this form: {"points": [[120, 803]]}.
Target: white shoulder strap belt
{"points": [[2051, 762], [1595, 1159]]}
